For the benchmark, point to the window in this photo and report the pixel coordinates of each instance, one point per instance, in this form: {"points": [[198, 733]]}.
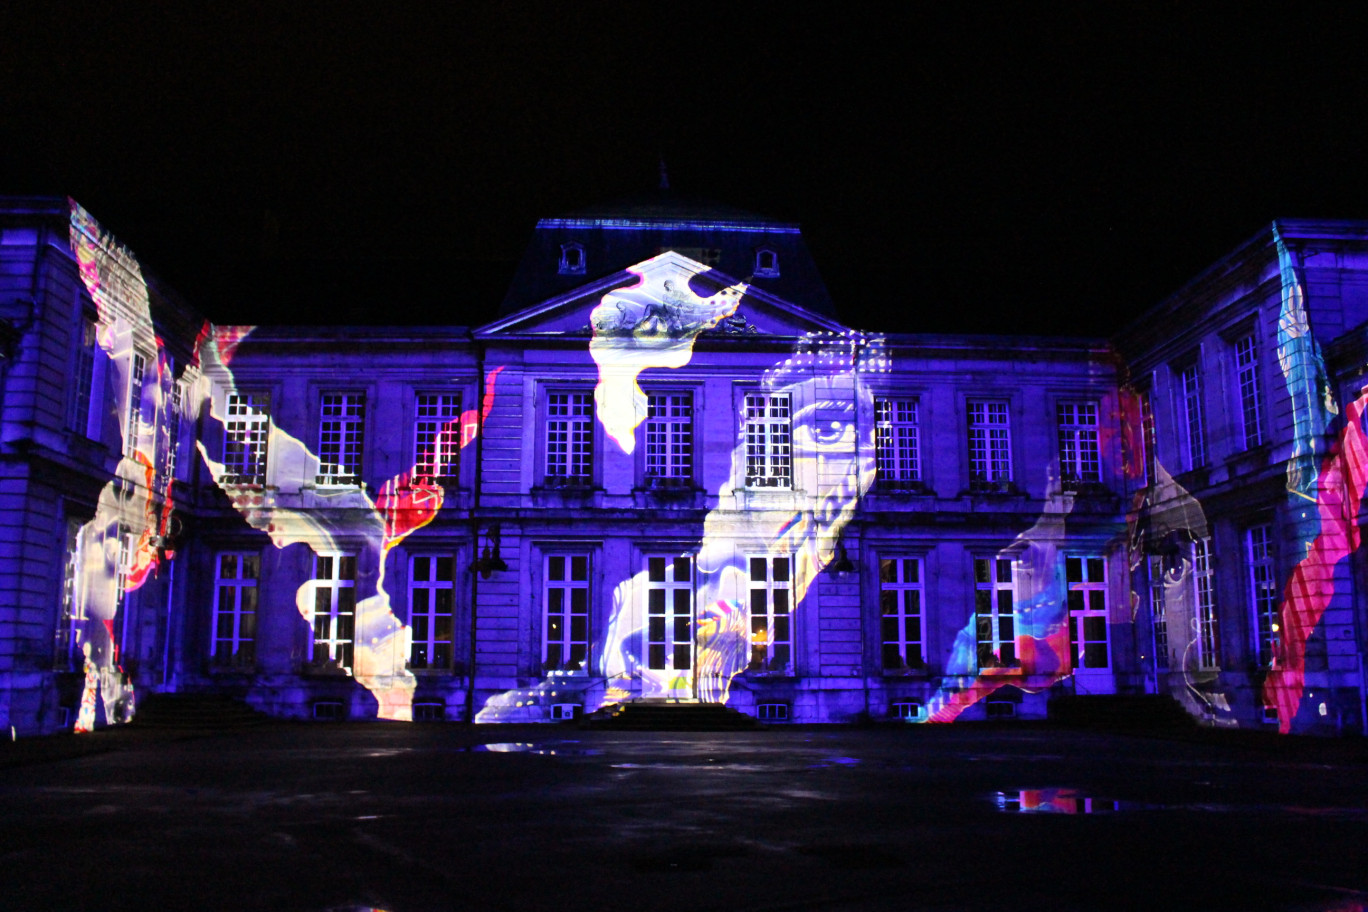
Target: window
{"points": [[669, 613], [766, 264], [235, 608], [1194, 417], [334, 609], [569, 439], [565, 634], [83, 387], [900, 605], [341, 436], [1263, 596], [1087, 581], [768, 441], [436, 437], [994, 598], [66, 654], [571, 259], [246, 434], [1204, 579], [432, 606], [1159, 612], [128, 548], [173, 429], [990, 445], [1247, 375], [1148, 438], [133, 425], [897, 443], [1079, 463], [669, 440], [771, 614]]}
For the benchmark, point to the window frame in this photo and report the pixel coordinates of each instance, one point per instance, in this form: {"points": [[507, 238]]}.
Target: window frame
{"points": [[137, 389], [347, 473], [1247, 387], [558, 627], [990, 648], [1083, 595], [1079, 443], [254, 424], [1262, 591], [237, 585], [768, 440], [580, 445], [1158, 601], [1208, 638], [771, 629], [997, 472], [899, 591], [87, 375], [440, 439], [431, 613], [679, 473], [900, 452], [340, 639], [1193, 411]]}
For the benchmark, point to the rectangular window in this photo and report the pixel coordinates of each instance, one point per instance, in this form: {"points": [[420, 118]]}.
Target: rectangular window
{"points": [[1194, 416], [173, 429], [334, 619], [341, 438], [1159, 612], [432, 610], [768, 441], [1148, 437], [1263, 596], [900, 603], [128, 549], [897, 443], [235, 610], [1204, 581], [246, 433], [990, 445], [1087, 581], [569, 439], [436, 437], [83, 383], [133, 425], [565, 632], [1079, 462], [771, 613], [669, 440], [66, 653], [669, 613], [994, 608], [1247, 375]]}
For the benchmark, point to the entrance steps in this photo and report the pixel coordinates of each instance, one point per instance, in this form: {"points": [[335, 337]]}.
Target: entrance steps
{"points": [[1154, 712], [193, 710], [659, 715]]}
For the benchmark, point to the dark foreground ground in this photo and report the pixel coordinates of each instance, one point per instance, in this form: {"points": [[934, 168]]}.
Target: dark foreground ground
{"points": [[420, 817]]}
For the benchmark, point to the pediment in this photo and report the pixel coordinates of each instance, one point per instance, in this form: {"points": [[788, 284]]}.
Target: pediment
{"points": [[667, 296]]}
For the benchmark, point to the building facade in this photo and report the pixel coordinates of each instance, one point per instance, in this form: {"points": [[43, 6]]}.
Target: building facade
{"points": [[667, 471]]}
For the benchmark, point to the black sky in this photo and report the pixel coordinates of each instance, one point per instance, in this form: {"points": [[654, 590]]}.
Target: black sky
{"points": [[956, 167]]}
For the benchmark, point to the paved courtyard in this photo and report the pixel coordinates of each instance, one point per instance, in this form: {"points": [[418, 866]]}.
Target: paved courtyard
{"points": [[424, 817]]}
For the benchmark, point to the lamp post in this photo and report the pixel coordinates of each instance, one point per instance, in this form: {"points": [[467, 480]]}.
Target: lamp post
{"points": [[481, 567]]}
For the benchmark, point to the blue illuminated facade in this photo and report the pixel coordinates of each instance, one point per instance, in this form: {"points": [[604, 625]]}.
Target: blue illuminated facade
{"points": [[667, 471]]}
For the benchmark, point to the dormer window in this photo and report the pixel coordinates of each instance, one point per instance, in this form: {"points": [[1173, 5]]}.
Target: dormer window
{"points": [[572, 259], [766, 263]]}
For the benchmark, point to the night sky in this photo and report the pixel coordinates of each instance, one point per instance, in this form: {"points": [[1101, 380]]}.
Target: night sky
{"points": [[966, 168]]}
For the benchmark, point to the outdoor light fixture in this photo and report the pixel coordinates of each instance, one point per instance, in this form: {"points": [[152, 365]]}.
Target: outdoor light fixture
{"points": [[489, 560], [841, 564]]}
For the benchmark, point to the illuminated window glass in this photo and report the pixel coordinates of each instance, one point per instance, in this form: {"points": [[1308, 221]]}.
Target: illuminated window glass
{"points": [[569, 438], [334, 616], [133, 425], [235, 610], [768, 441], [565, 632], [1079, 462], [901, 594], [128, 548], [990, 444], [1159, 612], [66, 654], [1194, 416], [341, 438], [669, 439], [432, 610], [669, 612], [1204, 582], [771, 613], [897, 442], [1148, 437], [173, 429], [1086, 578], [436, 437], [246, 434], [995, 620], [1263, 595], [1246, 369], [79, 406]]}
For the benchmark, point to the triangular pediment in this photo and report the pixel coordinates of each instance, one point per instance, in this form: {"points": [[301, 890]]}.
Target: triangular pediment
{"points": [[669, 294]]}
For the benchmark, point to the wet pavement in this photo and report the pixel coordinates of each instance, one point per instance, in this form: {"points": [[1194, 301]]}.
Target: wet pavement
{"points": [[424, 817]]}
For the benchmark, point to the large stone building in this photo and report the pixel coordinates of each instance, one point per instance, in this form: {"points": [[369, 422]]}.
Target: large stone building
{"points": [[667, 471]]}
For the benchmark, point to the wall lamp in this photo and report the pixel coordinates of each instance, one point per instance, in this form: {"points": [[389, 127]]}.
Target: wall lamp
{"points": [[489, 560], [841, 564]]}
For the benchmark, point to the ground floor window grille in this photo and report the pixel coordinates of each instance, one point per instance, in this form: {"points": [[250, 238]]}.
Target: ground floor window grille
{"points": [[432, 606], [900, 605], [1087, 581], [235, 610], [771, 614], [995, 620], [334, 609], [565, 636], [772, 712]]}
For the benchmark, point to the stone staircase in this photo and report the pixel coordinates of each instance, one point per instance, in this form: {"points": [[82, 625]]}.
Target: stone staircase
{"points": [[653, 715], [192, 710], [1131, 712]]}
